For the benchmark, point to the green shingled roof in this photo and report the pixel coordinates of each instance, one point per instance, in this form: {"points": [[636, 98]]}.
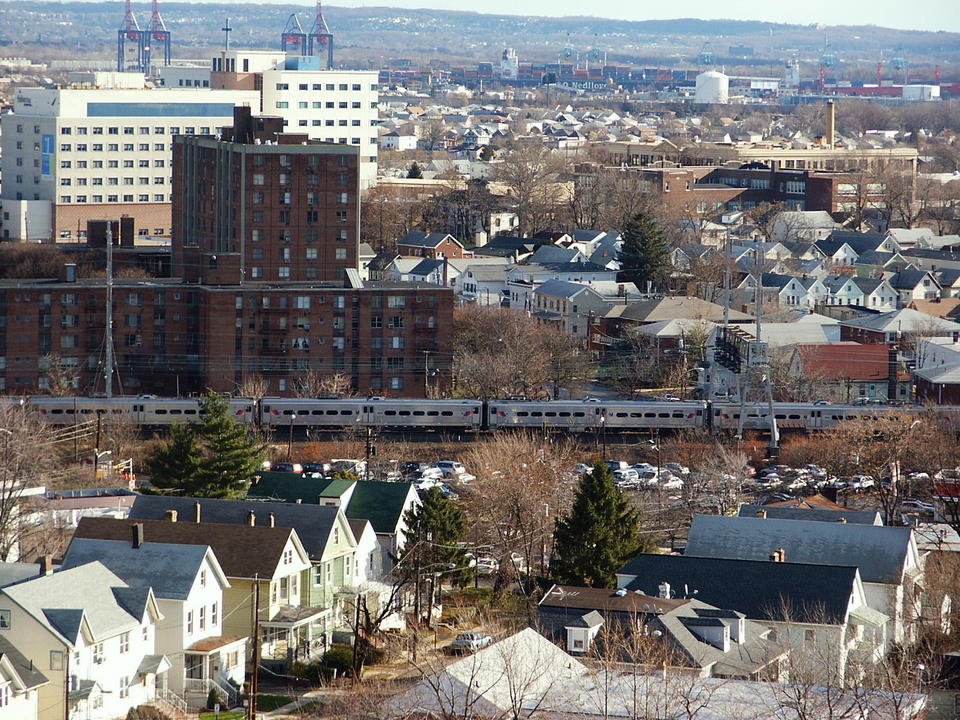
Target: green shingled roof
{"points": [[381, 503]]}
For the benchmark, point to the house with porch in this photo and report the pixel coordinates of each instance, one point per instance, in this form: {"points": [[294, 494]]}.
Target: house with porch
{"points": [[92, 636], [322, 530], [568, 306], [264, 566], [189, 585]]}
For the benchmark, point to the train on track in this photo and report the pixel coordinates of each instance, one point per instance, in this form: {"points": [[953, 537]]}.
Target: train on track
{"points": [[458, 415]]}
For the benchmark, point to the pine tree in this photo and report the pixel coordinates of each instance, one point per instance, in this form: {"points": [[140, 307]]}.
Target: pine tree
{"points": [[644, 256], [176, 464], [435, 530], [598, 537], [230, 456], [414, 173]]}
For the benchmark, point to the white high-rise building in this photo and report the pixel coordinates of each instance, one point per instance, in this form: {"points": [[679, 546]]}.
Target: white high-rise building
{"points": [[334, 106], [69, 155], [509, 65]]}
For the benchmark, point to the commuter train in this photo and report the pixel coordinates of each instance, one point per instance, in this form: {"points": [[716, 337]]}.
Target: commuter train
{"points": [[459, 415]]}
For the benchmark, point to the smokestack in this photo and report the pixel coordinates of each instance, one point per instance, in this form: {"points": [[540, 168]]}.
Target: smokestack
{"points": [[251, 518], [271, 521], [46, 565], [196, 512], [172, 515], [831, 123], [137, 531]]}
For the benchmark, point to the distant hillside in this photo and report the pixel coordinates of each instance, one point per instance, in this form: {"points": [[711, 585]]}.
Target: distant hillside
{"points": [[371, 34]]}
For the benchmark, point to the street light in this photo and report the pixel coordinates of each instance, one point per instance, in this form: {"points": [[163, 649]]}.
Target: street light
{"points": [[293, 417]]}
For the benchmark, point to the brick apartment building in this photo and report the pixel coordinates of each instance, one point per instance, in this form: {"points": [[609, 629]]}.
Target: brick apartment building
{"points": [[721, 189], [218, 321]]}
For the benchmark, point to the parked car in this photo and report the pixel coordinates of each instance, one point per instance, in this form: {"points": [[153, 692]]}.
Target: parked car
{"points": [[677, 468], [671, 483], [427, 483], [582, 468], [409, 467], [315, 467], [427, 472], [626, 474], [449, 467], [614, 465], [287, 467], [470, 642], [911, 505]]}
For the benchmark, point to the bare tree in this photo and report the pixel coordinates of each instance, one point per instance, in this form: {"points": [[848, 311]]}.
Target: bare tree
{"points": [[314, 384], [252, 386], [529, 171], [522, 484], [62, 380], [23, 441]]}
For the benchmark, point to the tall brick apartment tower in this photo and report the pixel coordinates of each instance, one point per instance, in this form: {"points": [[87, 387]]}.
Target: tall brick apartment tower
{"points": [[263, 205], [265, 237]]}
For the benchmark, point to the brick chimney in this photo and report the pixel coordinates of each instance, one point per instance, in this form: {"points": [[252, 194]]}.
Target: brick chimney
{"points": [[171, 515], [46, 565], [272, 520], [136, 531]]}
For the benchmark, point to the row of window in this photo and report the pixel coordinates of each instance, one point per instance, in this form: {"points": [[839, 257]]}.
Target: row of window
{"points": [[312, 179], [286, 254], [329, 105], [82, 181], [258, 197], [80, 199], [82, 164], [285, 217], [312, 235], [126, 130], [328, 87], [202, 618], [111, 147]]}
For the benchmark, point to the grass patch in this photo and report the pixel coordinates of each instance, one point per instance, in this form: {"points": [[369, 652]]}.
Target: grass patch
{"points": [[229, 715], [266, 703]]}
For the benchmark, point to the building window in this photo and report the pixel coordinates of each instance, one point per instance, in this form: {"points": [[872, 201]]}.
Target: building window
{"points": [[56, 660], [202, 621], [190, 622], [213, 615], [125, 643]]}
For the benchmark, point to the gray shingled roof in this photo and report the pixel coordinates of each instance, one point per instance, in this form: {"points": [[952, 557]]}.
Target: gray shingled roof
{"points": [[62, 600], [169, 569], [878, 552], [860, 517], [758, 589], [27, 671], [313, 523]]}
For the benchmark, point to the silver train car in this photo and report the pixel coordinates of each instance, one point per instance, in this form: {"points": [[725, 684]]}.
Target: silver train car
{"points": [[426, 414], [582, 416], [146, 412]]}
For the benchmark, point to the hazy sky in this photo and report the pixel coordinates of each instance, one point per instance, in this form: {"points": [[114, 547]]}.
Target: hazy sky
{"points": [[918, 15]]}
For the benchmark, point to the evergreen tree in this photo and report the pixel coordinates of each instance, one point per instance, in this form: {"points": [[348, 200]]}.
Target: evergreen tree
{"points": [[216, 458], [435, 530], [598, 537], [230, 456], [176, 464], [644, 256], [414, 173]]}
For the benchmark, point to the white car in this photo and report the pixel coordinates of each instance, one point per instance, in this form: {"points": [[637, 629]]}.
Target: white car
{"points": [[672, 483], [427, 483], [449, 468], [917, 506]]}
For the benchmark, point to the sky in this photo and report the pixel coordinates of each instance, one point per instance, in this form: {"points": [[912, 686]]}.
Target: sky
{"points": [[901, 14]]}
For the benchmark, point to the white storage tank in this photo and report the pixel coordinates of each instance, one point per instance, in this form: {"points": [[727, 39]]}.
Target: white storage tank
{"points": [[712, 88]]}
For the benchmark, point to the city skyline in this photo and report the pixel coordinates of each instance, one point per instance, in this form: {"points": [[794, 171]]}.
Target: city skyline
{"points": [[884, 13]]}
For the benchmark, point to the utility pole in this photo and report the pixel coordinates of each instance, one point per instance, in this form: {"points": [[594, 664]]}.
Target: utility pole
{"points": [[108, 373], [255, 676], [96, 449], [426, 372]]}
